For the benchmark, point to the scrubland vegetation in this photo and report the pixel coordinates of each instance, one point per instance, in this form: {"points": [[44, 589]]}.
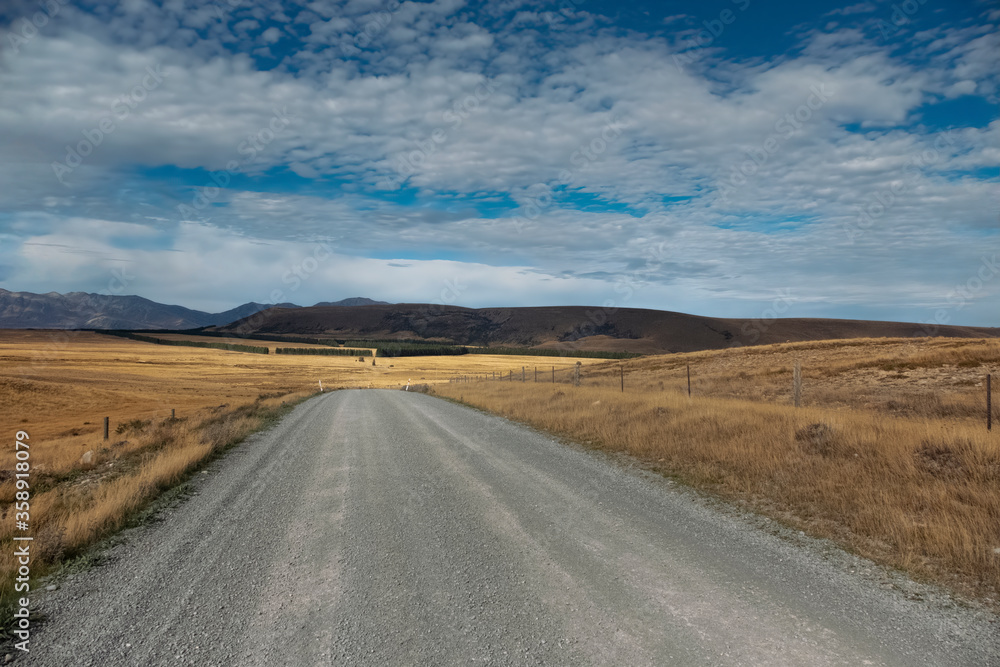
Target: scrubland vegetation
{"points": [[889, 454]]}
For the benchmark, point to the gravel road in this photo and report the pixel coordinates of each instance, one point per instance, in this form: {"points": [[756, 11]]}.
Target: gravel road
{"points": [[394, 528]]}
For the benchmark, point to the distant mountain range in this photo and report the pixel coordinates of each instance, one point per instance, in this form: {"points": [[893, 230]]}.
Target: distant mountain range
{"points": [[573, 327], [566, 328], [80, 310]]}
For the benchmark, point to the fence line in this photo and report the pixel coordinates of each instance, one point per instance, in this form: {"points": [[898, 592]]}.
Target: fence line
{"points": [[575, 375]]}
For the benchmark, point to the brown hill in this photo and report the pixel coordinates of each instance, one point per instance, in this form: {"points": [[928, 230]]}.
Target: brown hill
{"points": [[572, 328]]}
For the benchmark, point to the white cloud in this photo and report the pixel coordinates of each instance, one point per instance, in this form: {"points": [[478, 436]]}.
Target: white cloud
{"points": [[463, 109]]}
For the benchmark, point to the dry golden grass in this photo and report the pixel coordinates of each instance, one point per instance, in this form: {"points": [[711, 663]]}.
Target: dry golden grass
{"points": [[937, 377], [899, 470], [73, 504]]}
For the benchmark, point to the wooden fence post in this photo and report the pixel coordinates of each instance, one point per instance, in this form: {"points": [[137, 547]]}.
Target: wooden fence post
{"points": [[553, 375], [622, 369], [522, 374], [797, 385], [107, 421], [689, 380], [576, 375], [536, 373], [989, 402]]}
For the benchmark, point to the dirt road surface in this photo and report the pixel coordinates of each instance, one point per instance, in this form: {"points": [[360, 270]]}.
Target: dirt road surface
{"points": [[393, 528]]}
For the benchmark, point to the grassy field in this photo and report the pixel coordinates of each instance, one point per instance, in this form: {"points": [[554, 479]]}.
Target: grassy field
{"points": [[59, 386], [888, 455]]}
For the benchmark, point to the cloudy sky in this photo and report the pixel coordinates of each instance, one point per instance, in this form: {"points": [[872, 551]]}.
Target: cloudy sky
{"points": [[713, 157]]}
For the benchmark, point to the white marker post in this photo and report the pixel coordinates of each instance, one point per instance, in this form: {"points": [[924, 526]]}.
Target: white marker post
{"points": [[407, 387], [321, 386]]}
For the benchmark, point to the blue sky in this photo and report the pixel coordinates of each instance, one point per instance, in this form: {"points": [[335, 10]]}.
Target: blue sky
{"points": [[718, 158]]}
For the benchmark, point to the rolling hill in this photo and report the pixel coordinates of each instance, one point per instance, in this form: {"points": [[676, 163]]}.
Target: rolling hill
{"points": [[572, 328]]}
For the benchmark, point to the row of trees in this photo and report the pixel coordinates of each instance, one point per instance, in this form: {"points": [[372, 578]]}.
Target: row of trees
{"points": [[531, 352], [324, 351], [273, 338], [232, 347]]}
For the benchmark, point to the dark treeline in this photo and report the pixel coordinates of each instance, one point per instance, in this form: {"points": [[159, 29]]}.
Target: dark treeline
{"points": [[272, 338], [324, 351], [232, 347], [419, 350], [530, 352], [386, 342]]}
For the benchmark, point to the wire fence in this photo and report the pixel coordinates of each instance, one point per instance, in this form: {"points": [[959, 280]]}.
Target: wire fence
{"points": [[616, 375], [551, 374]]}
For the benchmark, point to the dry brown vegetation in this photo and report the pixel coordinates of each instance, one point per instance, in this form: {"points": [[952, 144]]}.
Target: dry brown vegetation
{"points": [[78, 500], [889, 454], [59, 386]]}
